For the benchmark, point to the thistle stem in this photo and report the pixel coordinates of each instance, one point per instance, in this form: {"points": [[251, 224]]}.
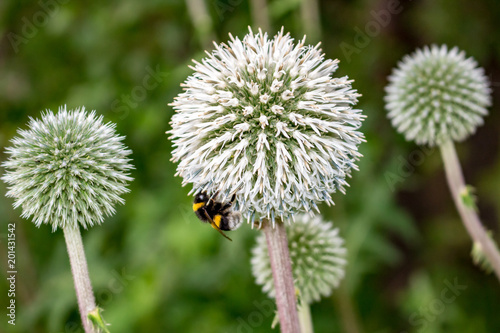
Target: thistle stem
{"points": [[281, 266], [202, 21], [469, 216], [348, 315], [79, 269], [260, 14], [311, 19], [306, 325]]}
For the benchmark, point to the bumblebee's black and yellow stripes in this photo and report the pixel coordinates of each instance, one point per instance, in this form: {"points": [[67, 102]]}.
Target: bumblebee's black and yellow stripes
{"points": [[220, 215]]}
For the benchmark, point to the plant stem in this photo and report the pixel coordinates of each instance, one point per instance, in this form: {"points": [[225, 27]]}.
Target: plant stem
{"points": [[348, 315], [202, 22], [260, 14], [306, 325], [277, 245], [311, 20], [468, 214], [86, 300]]}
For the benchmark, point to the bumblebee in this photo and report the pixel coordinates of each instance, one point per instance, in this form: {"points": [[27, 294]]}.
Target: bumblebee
{"points": [[219, 214]]}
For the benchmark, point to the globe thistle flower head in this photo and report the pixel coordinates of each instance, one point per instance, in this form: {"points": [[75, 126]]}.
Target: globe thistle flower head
{"points": [[437, 94], [67, 169], [317, 254], [266, 119]]}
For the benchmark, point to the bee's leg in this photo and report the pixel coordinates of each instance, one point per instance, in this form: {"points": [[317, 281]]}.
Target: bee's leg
{"points": [[215, 226], [229, 204], [220, 231], [211, 200]]}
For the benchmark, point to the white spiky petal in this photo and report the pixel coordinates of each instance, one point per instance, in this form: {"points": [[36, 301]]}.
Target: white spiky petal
{"points": [[317, 254], [435, 95], [266, 119], [67, 168]]}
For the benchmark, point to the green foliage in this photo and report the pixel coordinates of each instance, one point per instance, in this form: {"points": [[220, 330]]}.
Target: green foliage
{"points": [[99, 324], [479, 258], [153, 265], [469, 198]]}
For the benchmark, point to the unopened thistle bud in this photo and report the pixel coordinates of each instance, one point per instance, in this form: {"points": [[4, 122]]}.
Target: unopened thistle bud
{"points": [[67, 169], [437, 95], [317, 254]]}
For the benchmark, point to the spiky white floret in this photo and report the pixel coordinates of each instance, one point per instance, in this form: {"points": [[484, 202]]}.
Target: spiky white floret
{"points": [[435, 95], [317, 254], [67, 168], [266, 119]]}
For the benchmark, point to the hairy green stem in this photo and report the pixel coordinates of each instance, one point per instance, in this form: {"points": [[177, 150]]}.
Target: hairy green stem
{"points": [[469, 216], [202, 22], [79, 269], [311, 20], [260, 14], [281, 265], [348, 315], [306, 325]]}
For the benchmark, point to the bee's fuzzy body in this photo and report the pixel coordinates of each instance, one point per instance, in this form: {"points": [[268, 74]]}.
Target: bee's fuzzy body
{"points": [[219, 213]]}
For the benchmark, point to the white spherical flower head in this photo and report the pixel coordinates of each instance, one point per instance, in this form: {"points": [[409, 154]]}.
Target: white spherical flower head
{"points": [[437, 95], [265, 119], [67, 169], [317, 254]]}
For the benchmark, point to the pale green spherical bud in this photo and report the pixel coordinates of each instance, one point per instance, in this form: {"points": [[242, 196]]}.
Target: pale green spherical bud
{"points": [[436, 94], [67, 169], [318, 258]]}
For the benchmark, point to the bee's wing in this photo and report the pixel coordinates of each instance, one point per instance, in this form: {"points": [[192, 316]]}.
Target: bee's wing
{"points": [[212, 223]]}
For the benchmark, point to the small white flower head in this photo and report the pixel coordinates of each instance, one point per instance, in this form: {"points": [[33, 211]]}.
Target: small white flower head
{"points": [[317, 254], [436, 95], [67, 169], [288, 141]]}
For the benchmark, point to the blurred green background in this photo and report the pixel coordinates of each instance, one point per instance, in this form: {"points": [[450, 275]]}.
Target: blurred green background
{"points": [[154, 267]]}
